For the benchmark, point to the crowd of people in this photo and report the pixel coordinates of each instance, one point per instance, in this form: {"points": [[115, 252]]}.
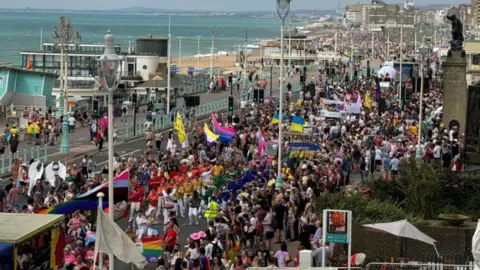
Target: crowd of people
{"points": [[229, 189]]}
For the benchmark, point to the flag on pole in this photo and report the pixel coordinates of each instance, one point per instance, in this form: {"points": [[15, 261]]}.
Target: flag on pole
{"points": [[111, 239], [262, 144], [367, 102], [211, 137], [297, 124], [276, 118], [178, 126]]}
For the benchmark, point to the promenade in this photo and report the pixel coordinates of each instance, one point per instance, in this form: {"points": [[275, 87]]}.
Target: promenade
{"points": [[80, 139]]}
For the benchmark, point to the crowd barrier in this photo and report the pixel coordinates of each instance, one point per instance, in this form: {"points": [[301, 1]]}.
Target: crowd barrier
{"points": [[419, 266]]}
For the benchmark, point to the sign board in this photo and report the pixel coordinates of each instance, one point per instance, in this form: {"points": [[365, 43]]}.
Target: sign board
{"points": [[337, 228], [304, 146], [271, 149], [384, 84], [329, 114]]}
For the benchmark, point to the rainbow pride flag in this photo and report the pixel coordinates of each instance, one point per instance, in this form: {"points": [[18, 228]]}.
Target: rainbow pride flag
{"points": [[151, 248], [70, 207], [296, 260], [238, 248]]}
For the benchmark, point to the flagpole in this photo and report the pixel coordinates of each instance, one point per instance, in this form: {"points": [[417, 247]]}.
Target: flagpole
{"points": [[100, 196], [169, 64]]}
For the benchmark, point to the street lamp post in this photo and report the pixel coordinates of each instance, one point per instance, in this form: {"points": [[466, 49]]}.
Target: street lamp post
{"points": [[63, 35], [36, 93], [108, 67], [424, 50], [283, 8]]}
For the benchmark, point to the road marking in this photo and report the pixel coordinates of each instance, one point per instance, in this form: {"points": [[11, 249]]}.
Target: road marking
{"points": [[126, 154]]}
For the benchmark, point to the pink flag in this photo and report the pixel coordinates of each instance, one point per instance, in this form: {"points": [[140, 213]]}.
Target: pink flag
{"points": [[262, 145]]}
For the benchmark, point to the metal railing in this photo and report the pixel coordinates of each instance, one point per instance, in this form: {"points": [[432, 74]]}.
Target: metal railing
{"points": [[126, 130], [418, 266], [39, 152]]}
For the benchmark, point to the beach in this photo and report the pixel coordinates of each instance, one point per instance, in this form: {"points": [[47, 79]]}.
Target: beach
{"points": [[227, 63]]}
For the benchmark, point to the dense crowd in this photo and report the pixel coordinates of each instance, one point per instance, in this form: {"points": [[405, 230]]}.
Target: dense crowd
{"points": [[229, 189]]}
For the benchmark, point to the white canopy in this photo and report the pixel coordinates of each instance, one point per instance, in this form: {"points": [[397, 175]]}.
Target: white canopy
{"points": [[403, 228], [476, 247], [387, 69]]}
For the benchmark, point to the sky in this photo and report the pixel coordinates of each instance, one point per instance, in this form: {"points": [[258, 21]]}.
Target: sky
{"points": [[217, 5]]}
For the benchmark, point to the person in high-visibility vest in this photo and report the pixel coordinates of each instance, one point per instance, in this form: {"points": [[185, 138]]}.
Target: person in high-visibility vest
{"points": [[212, 207]]}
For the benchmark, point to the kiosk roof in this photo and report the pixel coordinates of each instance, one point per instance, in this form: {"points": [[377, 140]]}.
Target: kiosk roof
{"points": [[16, 227]]}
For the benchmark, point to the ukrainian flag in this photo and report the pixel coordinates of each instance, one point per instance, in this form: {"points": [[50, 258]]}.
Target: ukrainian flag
{"points": [[297, 124], [276, 118]]}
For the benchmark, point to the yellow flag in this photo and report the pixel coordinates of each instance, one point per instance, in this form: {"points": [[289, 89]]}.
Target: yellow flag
{"points": [[178, 126], [367, 101]]}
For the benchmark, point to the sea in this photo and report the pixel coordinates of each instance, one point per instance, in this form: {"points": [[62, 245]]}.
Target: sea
{"points": [[21, 30]]}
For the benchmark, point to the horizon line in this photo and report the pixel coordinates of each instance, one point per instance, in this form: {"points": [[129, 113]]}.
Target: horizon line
{"points": [[189, 11]]}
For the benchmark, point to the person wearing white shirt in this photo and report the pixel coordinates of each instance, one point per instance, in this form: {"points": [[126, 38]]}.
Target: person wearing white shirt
{"points": [[437, 151], [71, 123], [209, 247]]}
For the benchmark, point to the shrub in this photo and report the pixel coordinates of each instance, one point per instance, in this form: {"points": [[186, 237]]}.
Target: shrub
{"points": [[365, 211], [428, 190]]}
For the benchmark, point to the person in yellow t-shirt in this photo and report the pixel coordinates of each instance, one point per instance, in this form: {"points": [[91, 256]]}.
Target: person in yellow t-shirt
{"points": [[30, 132], [413, 129], [197, 183], [217, 169], [179, 197], [188, 189], [14, 130], [37, 130]]}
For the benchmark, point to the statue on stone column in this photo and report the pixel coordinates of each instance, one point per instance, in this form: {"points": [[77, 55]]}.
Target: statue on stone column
{"points": [[456, 43]]}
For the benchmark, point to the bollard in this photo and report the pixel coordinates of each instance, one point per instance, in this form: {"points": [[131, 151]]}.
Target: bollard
{"points": [[45, 146], [38, 152], [3, 163], [31, 153], [25, 155], [126, 129], [10, 160]]}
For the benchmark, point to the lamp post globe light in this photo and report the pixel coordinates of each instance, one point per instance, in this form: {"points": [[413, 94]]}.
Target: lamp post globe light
{"points": [[108, 66], [283, 8]]}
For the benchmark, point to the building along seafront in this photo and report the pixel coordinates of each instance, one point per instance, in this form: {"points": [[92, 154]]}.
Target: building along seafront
{"points": [[148, 56]]}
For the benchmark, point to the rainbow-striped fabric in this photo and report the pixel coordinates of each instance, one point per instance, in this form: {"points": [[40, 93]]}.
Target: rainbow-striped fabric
{"points": [[151, 248]]}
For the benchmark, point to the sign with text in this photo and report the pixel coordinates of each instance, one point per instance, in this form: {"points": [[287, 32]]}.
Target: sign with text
{"points": [[304, 146]]}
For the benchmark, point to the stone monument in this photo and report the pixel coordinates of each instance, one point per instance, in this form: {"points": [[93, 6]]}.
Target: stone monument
{"points": [[454, 80]]}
